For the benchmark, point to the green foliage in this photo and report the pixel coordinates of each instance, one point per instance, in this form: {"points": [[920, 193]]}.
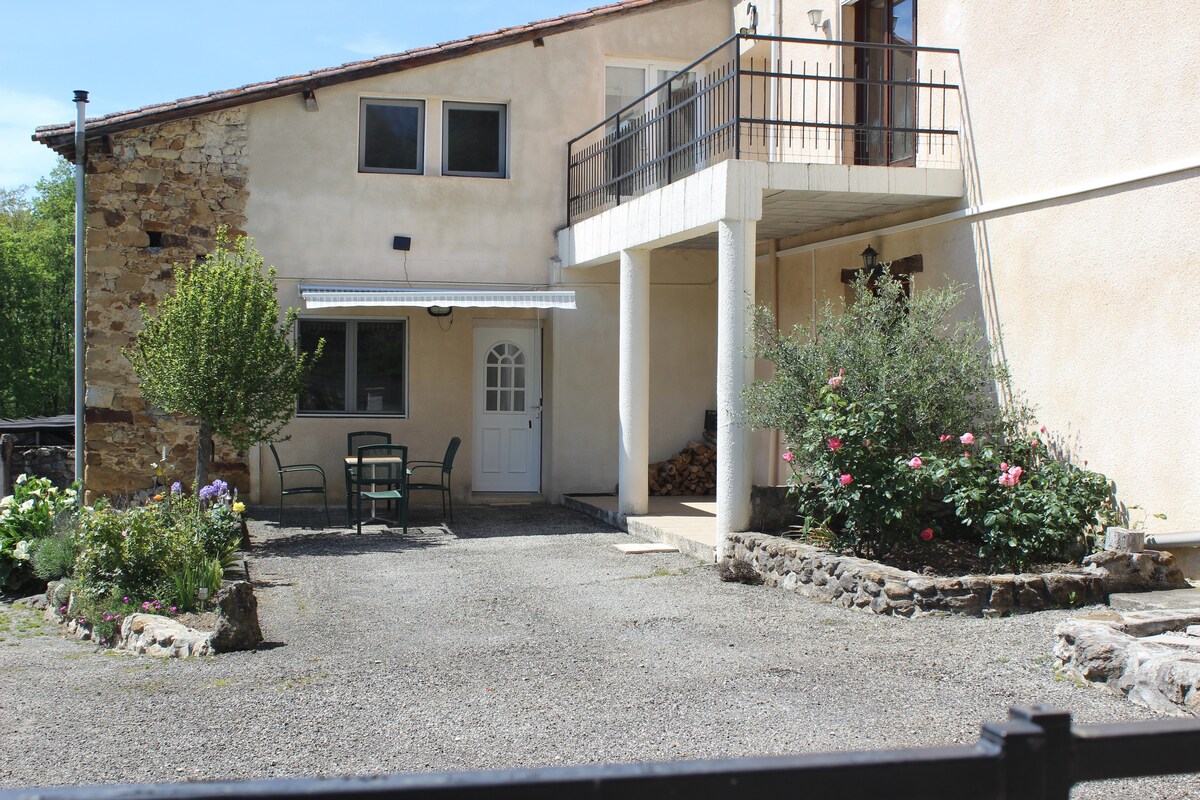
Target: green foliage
{"points": [[1024, 504], [217, 351], [35, 510], [850, 478], [902, 351], [37, 256], [54, 557], [893, 435], [139, 552]]}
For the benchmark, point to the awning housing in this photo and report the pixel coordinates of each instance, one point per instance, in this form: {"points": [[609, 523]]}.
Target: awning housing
{"points": [[316, 297]]}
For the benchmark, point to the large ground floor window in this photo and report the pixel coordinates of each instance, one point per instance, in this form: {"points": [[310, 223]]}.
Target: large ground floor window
{"points": [[363, 370]]}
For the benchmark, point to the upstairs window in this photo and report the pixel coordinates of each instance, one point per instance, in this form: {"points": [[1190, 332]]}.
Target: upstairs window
{"points": [[474, 140], [391, 136]]}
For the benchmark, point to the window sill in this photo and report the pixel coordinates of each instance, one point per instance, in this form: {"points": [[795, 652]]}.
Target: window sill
{"points": [[348, 415]]}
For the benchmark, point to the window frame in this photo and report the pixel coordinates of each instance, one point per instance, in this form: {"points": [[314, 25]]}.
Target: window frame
{"points": [[422, 124], [350, 378], [451, 105]]}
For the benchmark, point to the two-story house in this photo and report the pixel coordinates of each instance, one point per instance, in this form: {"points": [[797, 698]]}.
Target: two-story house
{"points": [[547, 239]]}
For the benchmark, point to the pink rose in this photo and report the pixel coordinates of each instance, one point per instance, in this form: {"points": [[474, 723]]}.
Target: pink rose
{"points": [[915, 462], [1043, 429], [945, 437], [846, 479], [1012, 477], [1036, 442], [927, 534], [788, 457], [967, 438], [834, 443], [1004, 466], [835, 381]]}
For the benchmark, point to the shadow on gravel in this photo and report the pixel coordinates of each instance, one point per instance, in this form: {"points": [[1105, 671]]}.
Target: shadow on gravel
{"points": [[290, 543], [306, 535], [479, 522]]}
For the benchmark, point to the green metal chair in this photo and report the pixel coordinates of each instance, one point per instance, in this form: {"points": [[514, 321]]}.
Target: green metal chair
{"points": [[381, 474], [292, 469], [446, 465], [355, 440]]}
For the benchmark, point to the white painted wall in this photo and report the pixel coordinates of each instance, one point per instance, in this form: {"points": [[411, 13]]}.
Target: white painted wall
{"points": [[1088, 295], [318, 219]]}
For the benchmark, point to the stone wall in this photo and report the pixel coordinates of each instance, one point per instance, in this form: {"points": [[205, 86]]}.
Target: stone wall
{"points": [[156, 196], [55, 463], [857, 583]]}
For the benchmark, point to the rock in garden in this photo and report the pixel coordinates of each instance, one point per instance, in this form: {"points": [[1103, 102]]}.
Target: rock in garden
{"points": [[237, 623]]}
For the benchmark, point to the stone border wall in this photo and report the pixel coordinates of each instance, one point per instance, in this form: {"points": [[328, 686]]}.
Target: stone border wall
{"points": [[857, 583], [155, 196]]}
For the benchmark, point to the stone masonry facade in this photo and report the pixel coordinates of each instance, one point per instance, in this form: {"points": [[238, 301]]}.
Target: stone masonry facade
{"points": [[156, 196]]}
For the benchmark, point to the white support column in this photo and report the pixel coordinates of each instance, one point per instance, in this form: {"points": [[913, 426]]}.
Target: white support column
{"points": [[735, 370], [633, 389]]}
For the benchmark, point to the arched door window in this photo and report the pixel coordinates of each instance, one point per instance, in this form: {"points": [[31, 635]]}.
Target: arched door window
{"points": [[504, 389]]}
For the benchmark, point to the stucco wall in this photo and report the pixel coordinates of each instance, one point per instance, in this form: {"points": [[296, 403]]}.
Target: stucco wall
{"points": [[318, 219], [1087, 294]]}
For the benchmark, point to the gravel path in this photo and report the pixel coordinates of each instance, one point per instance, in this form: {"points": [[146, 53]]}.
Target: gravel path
{"points": [[521, 639]]}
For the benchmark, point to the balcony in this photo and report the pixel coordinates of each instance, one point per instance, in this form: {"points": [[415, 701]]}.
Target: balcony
{"points": [[778, 100]]}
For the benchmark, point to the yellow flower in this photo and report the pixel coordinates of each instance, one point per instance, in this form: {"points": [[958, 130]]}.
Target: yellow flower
{"points": [[239, 506]]}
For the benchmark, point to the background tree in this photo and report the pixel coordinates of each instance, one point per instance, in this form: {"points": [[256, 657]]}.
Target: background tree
{"points": [[217, 351], [37, 256]]}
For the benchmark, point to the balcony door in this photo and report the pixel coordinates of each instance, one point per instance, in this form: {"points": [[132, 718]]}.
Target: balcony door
{"points": [[645, 133], [885, 104]]}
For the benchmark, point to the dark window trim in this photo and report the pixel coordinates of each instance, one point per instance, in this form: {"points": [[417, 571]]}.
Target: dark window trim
{"points": [[362, 134], [450, 105], [352, 370]]}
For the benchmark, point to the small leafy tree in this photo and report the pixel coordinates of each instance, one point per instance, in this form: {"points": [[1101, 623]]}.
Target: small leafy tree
{"points": [[216, 350]]}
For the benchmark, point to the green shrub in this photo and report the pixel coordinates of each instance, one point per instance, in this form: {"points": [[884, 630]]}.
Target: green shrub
{"points": [[893, 437], [34, 510], [902, 351], [54, 557], [142, 552]]}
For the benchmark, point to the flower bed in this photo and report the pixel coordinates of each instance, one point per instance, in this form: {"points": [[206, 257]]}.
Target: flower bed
{"points": [[858, 583]]}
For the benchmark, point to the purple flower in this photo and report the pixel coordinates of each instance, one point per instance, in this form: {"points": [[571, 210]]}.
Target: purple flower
{"points": [[176, 488]]}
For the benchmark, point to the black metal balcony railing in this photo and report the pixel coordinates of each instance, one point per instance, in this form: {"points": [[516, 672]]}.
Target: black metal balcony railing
{"points": [[875, 104]]}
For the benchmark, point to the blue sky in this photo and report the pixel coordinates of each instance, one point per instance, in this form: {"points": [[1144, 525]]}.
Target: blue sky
{"points": [[135, 52]]}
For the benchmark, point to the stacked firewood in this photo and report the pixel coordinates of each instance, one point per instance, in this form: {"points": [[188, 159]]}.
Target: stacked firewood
{"points": [[692, 472]]}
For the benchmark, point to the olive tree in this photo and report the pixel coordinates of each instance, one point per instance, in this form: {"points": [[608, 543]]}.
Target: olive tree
{"points": [[218, 350]]}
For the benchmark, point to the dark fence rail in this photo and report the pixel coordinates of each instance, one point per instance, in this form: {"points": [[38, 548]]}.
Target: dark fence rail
{"points": [[810, 101], [1036, 755]]}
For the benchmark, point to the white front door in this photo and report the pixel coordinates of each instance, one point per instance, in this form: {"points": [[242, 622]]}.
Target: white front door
{"points": [[508, 408]]}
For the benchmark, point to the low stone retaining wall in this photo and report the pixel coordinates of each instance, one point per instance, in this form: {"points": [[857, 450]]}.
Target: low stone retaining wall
{"points": [[1147, 656], [150, 634], [857, 583]]}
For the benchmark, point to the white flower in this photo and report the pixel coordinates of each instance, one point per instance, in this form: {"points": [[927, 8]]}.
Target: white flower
{"points": [[21, 551]]}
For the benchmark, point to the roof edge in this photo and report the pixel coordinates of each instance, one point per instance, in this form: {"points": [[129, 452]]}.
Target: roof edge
{"points": [[61, 137]]}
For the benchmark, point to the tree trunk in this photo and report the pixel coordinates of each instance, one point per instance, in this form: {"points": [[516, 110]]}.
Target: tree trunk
{"points": [[204, 448]]}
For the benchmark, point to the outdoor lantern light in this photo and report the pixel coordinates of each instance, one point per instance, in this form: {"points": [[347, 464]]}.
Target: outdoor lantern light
{"points": [[869, 257], [439, 311], [814, 17], [752, 28]]}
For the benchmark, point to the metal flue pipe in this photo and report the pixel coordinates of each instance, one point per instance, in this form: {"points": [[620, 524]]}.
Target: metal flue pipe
{"points": [[81, 98]]}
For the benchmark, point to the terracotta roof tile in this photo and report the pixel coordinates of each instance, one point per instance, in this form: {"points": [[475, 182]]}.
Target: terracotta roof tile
{"points": [[60, 137]]}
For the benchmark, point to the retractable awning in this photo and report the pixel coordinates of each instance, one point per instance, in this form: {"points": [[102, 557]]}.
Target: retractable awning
{"points": [[376, 297]]}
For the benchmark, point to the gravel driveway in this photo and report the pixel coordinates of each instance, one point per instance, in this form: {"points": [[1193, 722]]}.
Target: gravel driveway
{"points": [[522, 638]]}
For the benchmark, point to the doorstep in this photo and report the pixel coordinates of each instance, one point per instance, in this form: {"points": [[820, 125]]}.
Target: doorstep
{"points": [[688, 523], [507, 499]]}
